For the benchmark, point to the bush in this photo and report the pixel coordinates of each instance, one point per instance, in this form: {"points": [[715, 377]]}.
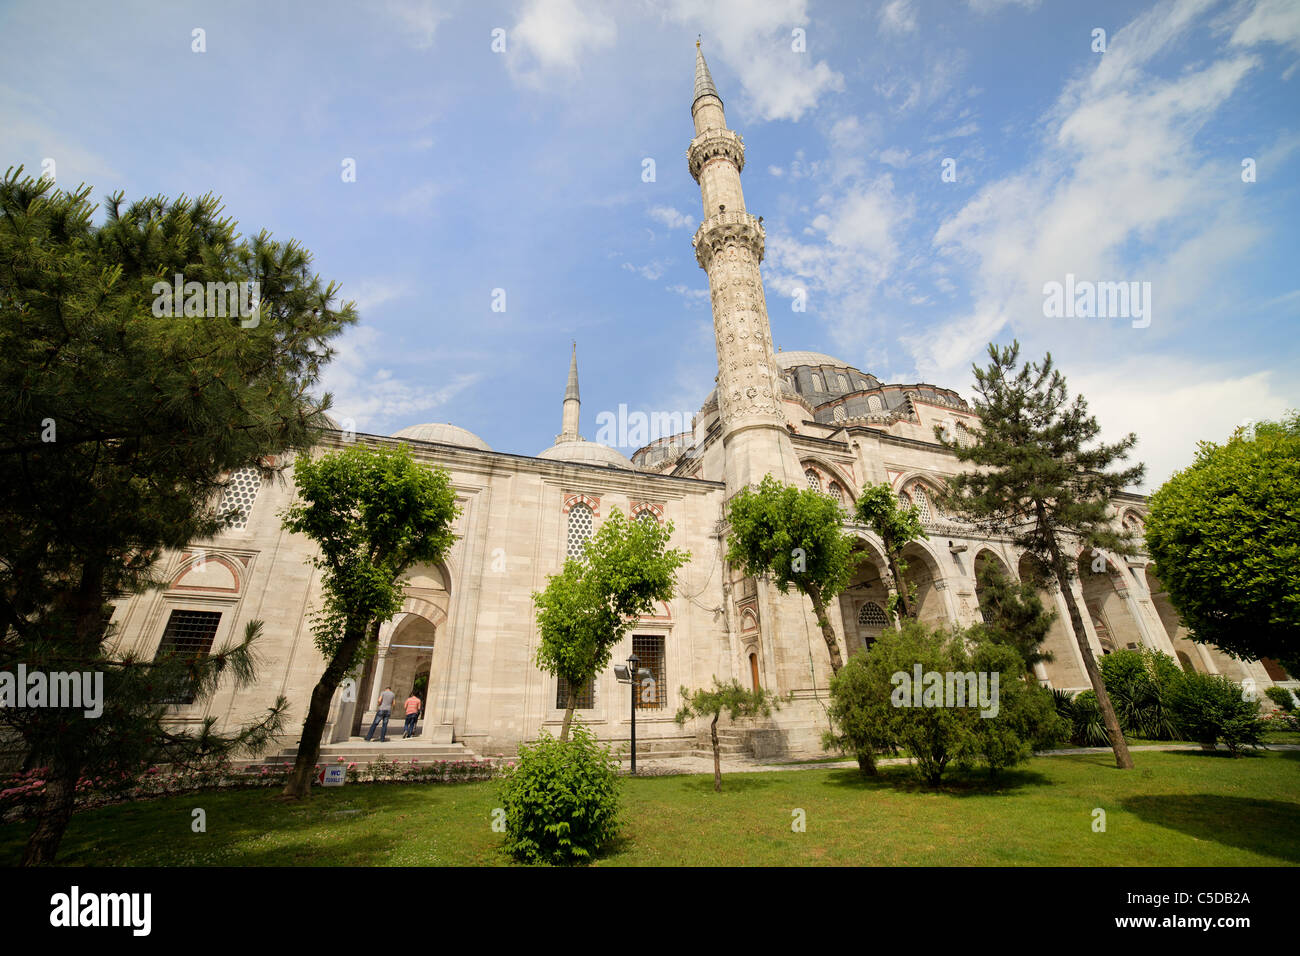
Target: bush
{"points": [[1139, 684], [561, 800], [1087, 729], [1283, 698], [868, 717], [1211, 708]]}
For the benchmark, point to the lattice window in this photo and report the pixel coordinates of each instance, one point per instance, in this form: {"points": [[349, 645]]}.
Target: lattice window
{"points": [[646, 516], [904, 500], [818, 384], [872, 616], [964, 437], [814, 482], [874, 404], [188, 636], [922, 502], [844, 382], [586, 697], [239, 495], [837, 493], [581, 528], [652, 691], [839, 414]]}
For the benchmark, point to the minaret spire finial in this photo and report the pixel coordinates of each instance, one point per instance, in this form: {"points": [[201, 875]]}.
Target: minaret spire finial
{"points": [[572, 404], [703, 80]]}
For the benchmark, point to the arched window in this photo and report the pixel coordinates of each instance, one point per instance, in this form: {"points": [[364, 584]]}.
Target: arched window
{"points": [[818, 384], [872, 616], [814, 482], [964, 437], [874, 404], [904, 500], [837, 492], [753, 670], [239, 495], [844, 382], [922, 502], [580, 529], [647, 516], [839, 414]]}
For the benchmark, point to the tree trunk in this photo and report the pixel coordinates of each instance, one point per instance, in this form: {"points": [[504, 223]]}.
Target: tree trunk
{"points": [[56, 811], [85, 607], [828, 632], [900, 586], [570, 705], [313, 726], [717, 757], [866, 763], [1117, 743]]}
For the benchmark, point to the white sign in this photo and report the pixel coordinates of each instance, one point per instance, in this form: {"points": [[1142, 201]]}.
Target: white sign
{"points": [[334, 776]]}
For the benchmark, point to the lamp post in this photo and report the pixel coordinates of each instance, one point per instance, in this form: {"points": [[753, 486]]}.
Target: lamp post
{"points": [[632, 663]]}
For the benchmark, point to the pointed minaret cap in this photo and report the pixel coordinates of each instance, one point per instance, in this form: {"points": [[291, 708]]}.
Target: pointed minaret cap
{"points": [[571, 390], [703, 81]]}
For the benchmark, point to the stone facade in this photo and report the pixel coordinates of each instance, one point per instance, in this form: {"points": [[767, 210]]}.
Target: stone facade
{"points": [[468, 624]]}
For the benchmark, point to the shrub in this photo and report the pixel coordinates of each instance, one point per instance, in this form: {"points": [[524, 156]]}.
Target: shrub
{"points": [[1283, 698], [860, 712], [1139, 684], [561, 799], [1087, 728], [1211, 708]]}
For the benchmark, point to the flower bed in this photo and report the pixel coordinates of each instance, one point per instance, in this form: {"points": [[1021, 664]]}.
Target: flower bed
{"points": [[21, 793]]}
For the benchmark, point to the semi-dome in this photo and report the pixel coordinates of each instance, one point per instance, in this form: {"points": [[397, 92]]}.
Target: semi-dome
{"points": [[587, 453], [444, 434]]}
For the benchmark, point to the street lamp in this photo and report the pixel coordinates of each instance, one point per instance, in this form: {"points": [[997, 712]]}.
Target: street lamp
{"points": [[631, 674]]}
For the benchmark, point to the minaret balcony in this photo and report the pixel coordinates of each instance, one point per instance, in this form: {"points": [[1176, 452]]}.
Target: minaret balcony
{"points": [[716, 232], [713, 144]]}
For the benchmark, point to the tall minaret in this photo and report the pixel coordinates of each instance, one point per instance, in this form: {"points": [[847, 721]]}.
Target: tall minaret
{"points": [[569, 420], [729, 247]]}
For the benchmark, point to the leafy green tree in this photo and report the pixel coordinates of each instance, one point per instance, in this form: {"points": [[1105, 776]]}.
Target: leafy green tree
{"points": [[1210, 707], [879, 509], [374, 513], [589, 607], [117, 424], [1040, 481], [1225, 537], [738, 701], [795, 536], [860, 711], [1014, 615]]}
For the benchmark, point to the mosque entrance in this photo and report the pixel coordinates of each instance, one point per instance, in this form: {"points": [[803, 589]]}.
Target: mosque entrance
{"points": [[403, 664]]}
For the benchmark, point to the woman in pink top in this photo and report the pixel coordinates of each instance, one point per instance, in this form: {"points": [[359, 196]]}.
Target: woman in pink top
{"points": [[412, 712]]}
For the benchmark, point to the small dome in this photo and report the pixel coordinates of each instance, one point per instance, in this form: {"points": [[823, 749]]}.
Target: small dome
{"points": [[587, 453], [443, 434]]}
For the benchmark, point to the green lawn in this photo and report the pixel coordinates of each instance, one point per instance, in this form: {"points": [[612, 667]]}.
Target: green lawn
{"points": [[1183, 808]]}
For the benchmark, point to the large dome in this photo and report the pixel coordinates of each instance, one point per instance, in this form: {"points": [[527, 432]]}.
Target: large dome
{"points": [[443, 434], [587, 453], [789, 360]]}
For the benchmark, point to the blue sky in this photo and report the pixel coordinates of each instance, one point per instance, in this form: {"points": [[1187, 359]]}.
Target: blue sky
{"points": [[522, 170]]}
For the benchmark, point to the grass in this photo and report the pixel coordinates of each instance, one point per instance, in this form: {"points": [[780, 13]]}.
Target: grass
{"points": [[1175, 809]]}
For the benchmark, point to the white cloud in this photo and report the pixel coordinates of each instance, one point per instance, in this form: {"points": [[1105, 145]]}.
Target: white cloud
{"points": [[754, 38], [894, 157], [989, 6], [371, 396], [370, 294], [1270, 21], [671, 218], [898, 16], [419, 20], [651, 270], [553, 36]]}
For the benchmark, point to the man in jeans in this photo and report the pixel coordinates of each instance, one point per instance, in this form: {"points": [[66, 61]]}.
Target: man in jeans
{"points": [[412, 715], [385, 708]]}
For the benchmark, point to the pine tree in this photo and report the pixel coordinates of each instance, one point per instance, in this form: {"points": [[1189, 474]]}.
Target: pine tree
{"points": [[1038, 481], [1014, 615], [118, 423]]}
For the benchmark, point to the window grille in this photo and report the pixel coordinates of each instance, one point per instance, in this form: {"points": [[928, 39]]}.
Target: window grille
{"points": [[586, 697], [872, 616], [839, 414], [818, 384], [873, 403], [922, 502], [814, 482], [188, 636], [652, 692], [238, 497], [580, 529]]}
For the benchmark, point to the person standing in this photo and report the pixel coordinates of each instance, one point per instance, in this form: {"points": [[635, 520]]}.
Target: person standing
{"points": [[412, 714], [385, 709]]}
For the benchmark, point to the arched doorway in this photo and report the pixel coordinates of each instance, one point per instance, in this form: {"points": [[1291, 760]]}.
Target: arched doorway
{"points": [[1111, 618], [1064, 670], [985, 562], [753, 670], [1188, 654], [923, 572], [863, 602]]}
